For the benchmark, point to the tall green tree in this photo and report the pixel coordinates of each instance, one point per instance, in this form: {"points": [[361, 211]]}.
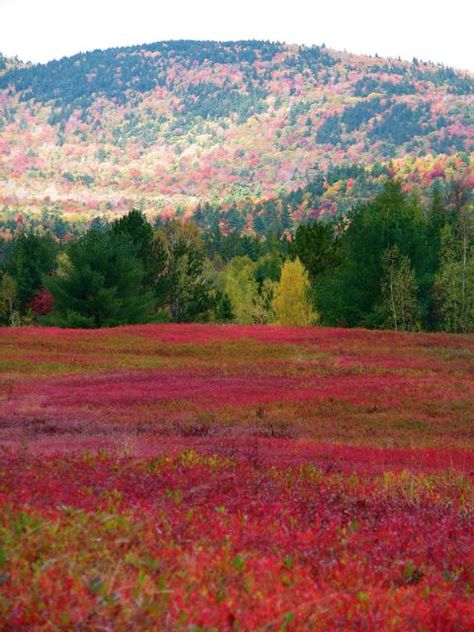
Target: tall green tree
{"points": [[184, 287], [399, 305], [436, 218], [30, 257], [268, 267], [455, 279], [99, 283], [316, 246], [264, 311], [350, 294], [135, 227]]}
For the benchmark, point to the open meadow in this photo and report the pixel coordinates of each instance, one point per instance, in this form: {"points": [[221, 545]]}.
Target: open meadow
{"points": [[205, 477]]}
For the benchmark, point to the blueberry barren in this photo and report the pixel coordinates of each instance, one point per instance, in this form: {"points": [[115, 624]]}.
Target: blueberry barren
{"points": [[195, 477]]}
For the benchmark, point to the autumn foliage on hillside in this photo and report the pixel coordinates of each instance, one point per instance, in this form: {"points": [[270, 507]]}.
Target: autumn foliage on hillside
{"points": [[178, 123], [196, 477]]}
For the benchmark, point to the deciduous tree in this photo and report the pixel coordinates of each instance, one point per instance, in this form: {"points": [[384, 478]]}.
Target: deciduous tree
{"points": [[183, 287], [241, 287], [292, 302], [8, 297], [399, 307]]}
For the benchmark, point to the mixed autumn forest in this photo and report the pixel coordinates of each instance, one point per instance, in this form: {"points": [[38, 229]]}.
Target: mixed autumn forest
{"points": [[174, 124], [240, 156], [236, 341]]}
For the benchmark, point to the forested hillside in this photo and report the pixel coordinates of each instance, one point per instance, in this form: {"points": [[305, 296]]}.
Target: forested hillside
{"points": [[174, 126]]}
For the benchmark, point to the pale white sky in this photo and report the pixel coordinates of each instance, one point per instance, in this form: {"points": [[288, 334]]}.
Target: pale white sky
{"points": [[439, 31]]}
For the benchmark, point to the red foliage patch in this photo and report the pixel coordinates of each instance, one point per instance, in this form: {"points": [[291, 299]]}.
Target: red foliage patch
{"points": [[42, 303], [200, 477]]}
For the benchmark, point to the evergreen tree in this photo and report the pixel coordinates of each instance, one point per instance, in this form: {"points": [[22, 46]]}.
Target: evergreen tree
{"points": [[99, 284], [350, 294], [135, 227], [455, 279], [315, 244], [436, 219], [223, 308], [30, 257], [268, 267]]}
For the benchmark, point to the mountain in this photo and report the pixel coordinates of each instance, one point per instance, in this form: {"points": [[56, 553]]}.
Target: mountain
{"points": [[172, 125]]}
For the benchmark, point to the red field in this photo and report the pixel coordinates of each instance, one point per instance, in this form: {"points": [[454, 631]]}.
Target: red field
{"points": [[236, 478]]}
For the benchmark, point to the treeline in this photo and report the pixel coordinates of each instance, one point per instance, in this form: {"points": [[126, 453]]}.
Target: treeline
{"points": [[390, 263]]}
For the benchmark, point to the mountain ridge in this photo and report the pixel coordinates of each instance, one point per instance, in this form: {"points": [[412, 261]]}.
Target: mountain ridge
{"points": [[170, 125]]}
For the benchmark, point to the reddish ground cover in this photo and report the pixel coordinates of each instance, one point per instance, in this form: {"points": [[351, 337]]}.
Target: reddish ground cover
{"points": [[241, 478]]}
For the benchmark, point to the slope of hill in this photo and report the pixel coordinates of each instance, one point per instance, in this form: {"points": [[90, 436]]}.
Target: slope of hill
{"points": [[176, 123]]}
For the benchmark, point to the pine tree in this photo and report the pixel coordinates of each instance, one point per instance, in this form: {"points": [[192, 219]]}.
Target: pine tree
{"points": [[315, 244], [99, 284], [135, 227], [291, 303]]}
